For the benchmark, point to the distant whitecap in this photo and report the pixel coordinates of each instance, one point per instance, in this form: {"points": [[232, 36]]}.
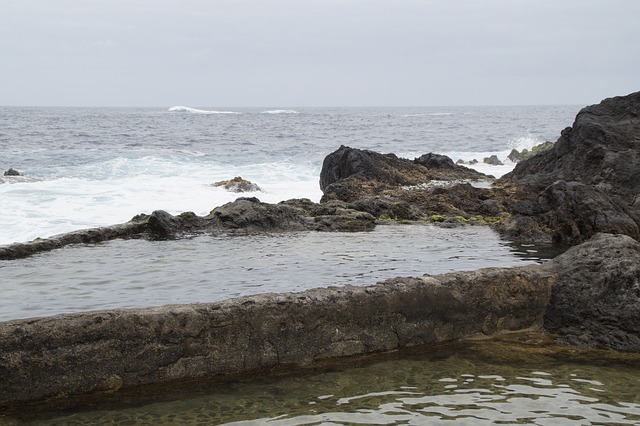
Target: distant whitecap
{"points": [[180, 108], [280, 111]]}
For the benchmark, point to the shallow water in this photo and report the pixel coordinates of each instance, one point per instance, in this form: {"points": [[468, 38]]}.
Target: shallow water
{"points": [[139, 273], [523, 381]]}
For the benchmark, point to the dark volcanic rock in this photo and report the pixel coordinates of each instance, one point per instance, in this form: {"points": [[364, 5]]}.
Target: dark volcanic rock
{"points": [[369, 165], [245, 215], [492, 160], [251, 214], [596, 297], [12, 172], [238, 184], [435, 161], [589, 181], [389, 187], [600, 149]]}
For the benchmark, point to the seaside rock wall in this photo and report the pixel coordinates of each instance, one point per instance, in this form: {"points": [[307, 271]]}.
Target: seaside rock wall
{"points": [[588, 182], [93, 352], [244, 215], [596, 298]]}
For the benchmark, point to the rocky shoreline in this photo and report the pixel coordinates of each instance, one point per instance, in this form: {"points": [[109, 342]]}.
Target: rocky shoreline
{"points": [[584, 188]]}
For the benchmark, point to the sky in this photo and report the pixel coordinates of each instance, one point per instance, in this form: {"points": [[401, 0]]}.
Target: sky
{"points": [[205, 53]]}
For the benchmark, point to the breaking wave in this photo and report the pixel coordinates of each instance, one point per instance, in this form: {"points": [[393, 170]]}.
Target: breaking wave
{"points": [[280, 111], [179, 108]]}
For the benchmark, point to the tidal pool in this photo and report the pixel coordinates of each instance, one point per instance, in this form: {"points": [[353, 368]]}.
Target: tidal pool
{"points": [[522, 379], [139, 273]]}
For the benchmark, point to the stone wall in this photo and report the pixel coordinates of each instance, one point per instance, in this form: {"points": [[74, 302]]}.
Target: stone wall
{"points": [[95, 352]]}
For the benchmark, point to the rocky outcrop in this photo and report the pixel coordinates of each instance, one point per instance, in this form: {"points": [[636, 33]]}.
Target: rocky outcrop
{"points": [[245, 215], [238, 184], [107, 351], [492, 160], [389, 187], [12, 172], [585, 183], [588, 182], [516, 156], [596, 297], [357, 166]]}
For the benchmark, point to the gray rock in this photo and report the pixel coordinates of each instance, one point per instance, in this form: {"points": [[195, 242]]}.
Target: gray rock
{"points": [[596, 297], [103, 352], [589, 181], [492, 160], [238, 184], [12, 172]]}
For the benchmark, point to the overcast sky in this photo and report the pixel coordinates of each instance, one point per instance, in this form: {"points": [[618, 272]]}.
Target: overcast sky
{"points": [[317, 52]]}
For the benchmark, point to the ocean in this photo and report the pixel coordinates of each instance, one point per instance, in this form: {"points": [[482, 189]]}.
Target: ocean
{"points": [[88, 167]]}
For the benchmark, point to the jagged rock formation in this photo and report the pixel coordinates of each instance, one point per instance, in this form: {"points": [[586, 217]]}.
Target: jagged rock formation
{"points": [[588, 182]]}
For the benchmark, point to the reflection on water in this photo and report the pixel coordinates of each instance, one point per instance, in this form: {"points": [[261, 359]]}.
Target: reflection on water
{"points": [[138, 273], [519, 380]]}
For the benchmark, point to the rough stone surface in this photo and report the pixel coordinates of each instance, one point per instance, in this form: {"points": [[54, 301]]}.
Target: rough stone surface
{"points": [[596, 299], [98, 352], [12, 172], [492, 160], [245, 215], [589, 181], [387, 170], [238, 184]]}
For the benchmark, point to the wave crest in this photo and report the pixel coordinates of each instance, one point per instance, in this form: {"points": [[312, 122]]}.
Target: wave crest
{"points": [[180, 108], [280, 111]]}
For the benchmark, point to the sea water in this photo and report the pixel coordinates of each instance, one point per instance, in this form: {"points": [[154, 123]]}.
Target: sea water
{"points": [[87, 167], [522, 380], [209, 268]]}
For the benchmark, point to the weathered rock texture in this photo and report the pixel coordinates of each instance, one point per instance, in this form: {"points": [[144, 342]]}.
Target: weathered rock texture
{"points": [[389, 187], [243, 215], [238, 184], [596, 298], [84, 353], [11, 172], [588, 182], [348, 174], [585, 183]]}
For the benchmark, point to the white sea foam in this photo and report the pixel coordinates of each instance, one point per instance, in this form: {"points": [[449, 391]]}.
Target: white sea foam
{"points": [[280, 111], [116, 190], [427, 114], [524, 142], [180, 108]]}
